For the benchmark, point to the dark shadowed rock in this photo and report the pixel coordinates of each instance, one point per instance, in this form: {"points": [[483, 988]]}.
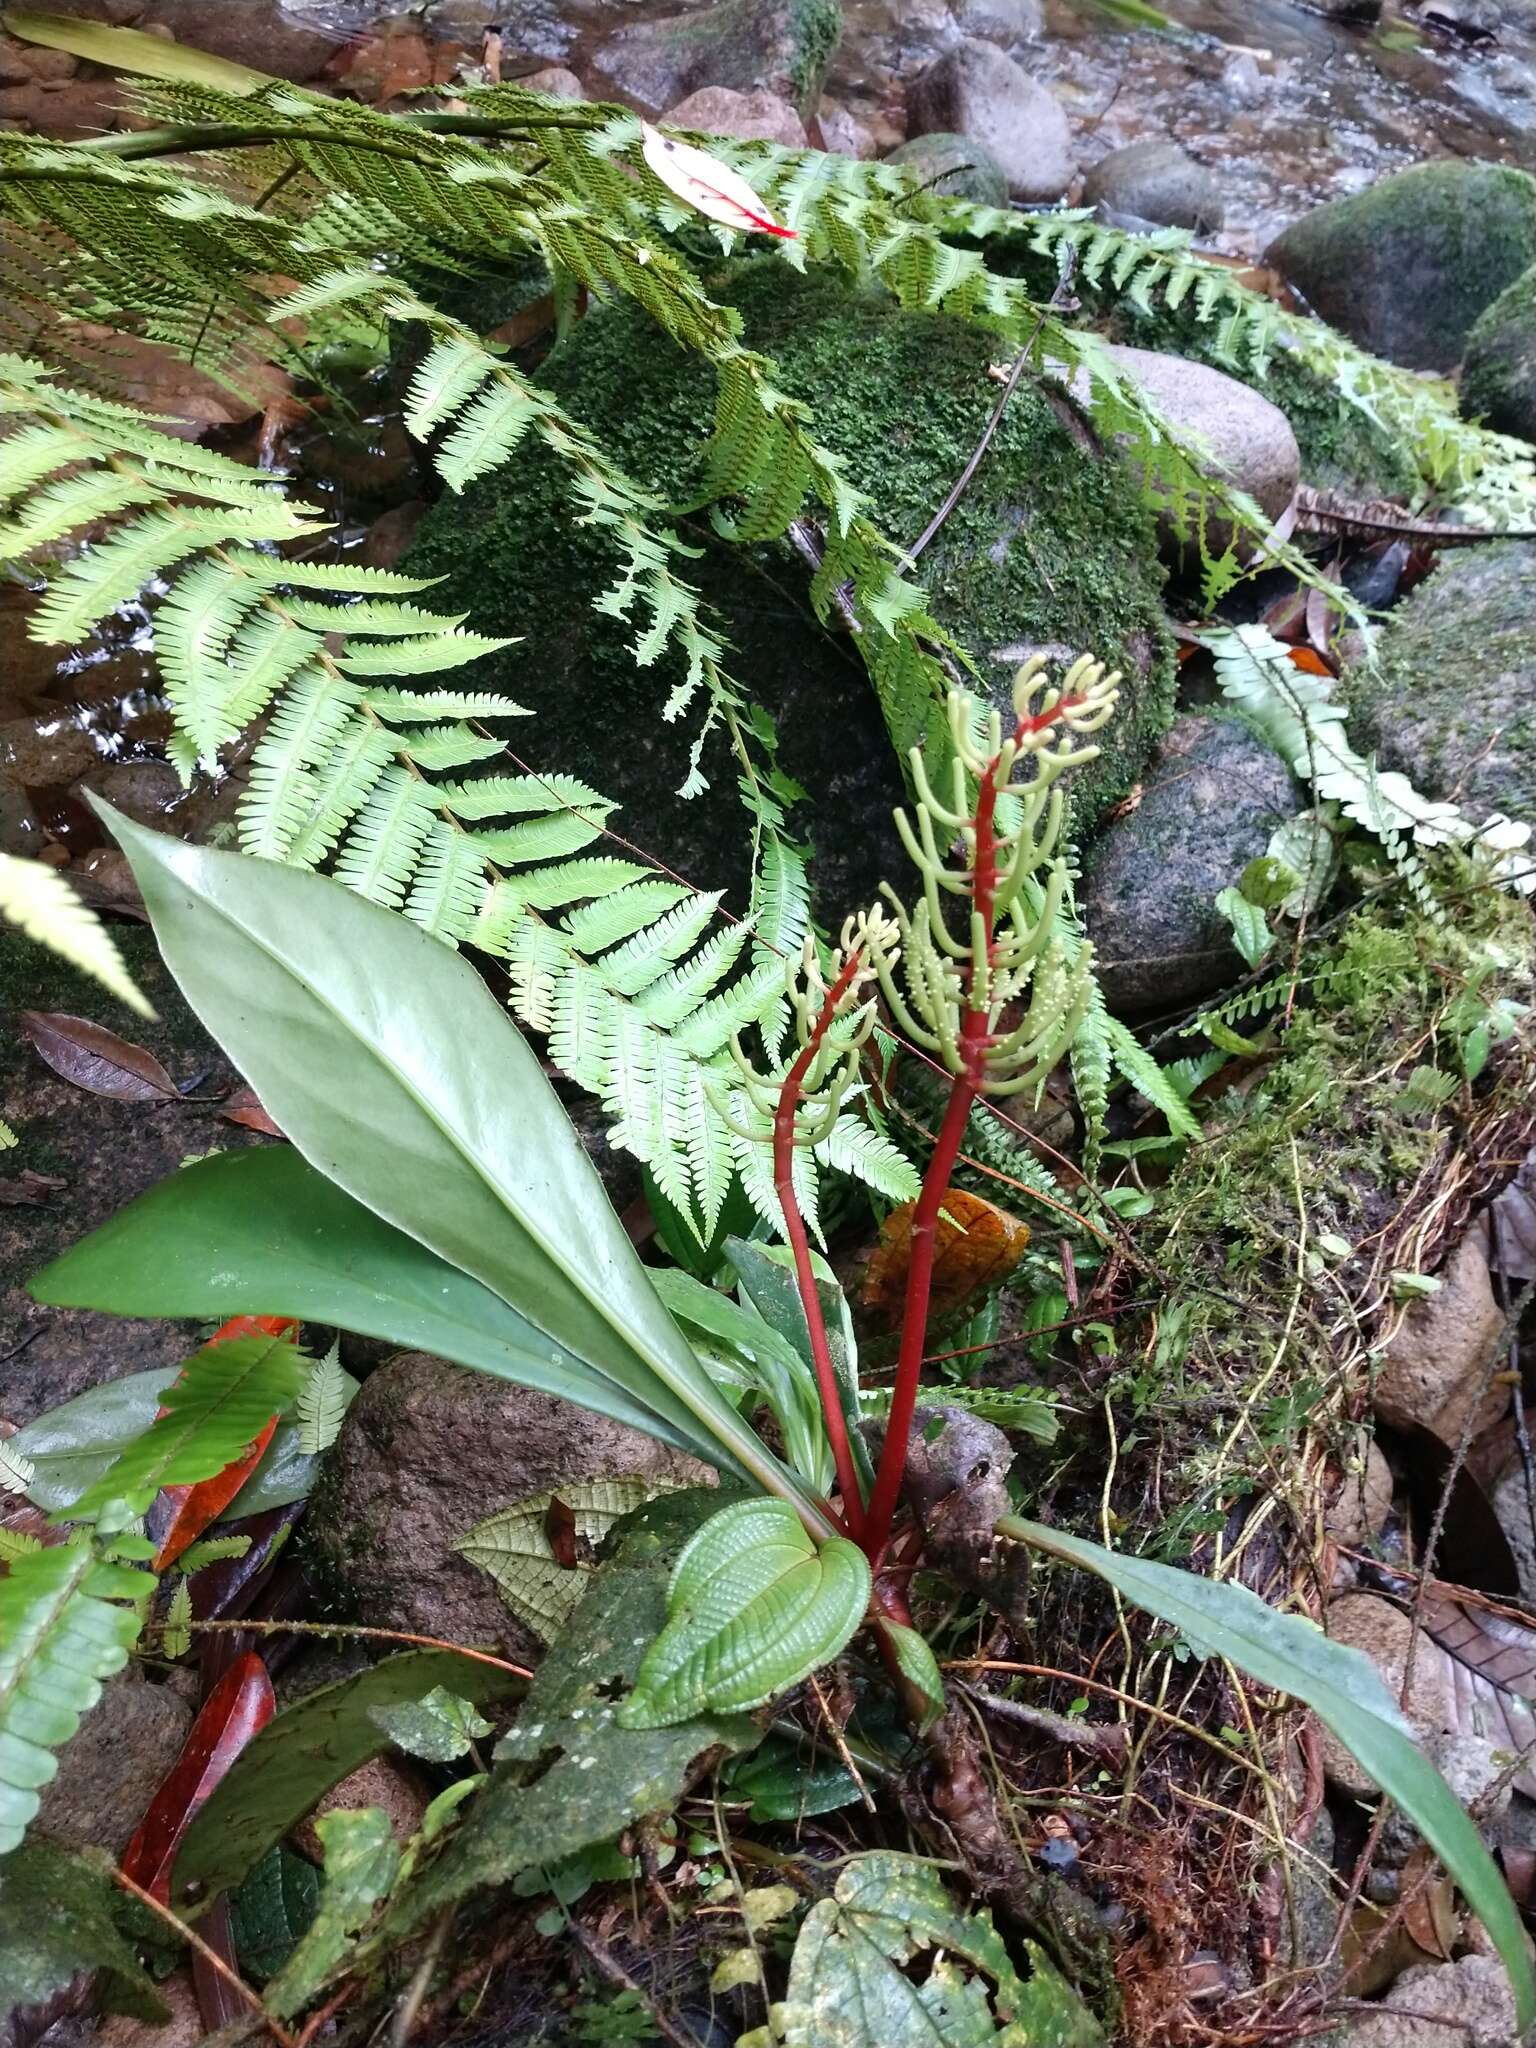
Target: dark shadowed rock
{"points": [[111, 1769], [1498, 372], [1406, 267], [429, 1449], [1154, 180], [261, 33], [976, 91], [1452, 700], [1209, 801]]}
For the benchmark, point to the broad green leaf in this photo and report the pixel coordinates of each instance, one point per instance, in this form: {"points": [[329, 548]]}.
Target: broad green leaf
{"points": [[754, 1607], [222, 1399], [397, 1074], [568, 1775], [438, 1727], [361, 1861], [849, 1985], [127, 49], [766, 1273], [513, 1546], [784, 1784], [1342, 1687], [304, 1751], [271, 1910], [55, 1923], [918, 1667], [260, 1232], [71, 1446]]}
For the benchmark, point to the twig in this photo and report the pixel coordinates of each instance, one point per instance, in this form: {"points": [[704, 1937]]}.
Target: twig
{"points": [[610, 1967], [330, 1628], [844, 1753], [409, 2009], [1109, 1742], [211, 1956]]}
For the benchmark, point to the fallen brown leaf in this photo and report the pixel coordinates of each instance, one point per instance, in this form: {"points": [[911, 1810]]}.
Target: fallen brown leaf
{"points": [[977, 1245], [96, 1059], [244, 1107]]}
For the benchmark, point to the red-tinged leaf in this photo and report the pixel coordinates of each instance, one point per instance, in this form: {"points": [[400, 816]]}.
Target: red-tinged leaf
{"points": [[560, 1530], [244, 1107], [223, 1590], [217, 2000], [241, 1703], [1310, 662], [186, 1511], [92, 1057], [708, 185]]}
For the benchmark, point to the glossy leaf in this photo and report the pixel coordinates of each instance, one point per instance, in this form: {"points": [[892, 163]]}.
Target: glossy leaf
{"points": [[783, 1784], [55, 1924], [218, 1403], [395, 1072], [754, 1607], [307, 1749], [241, 1703], [362, 1859], [849, 1981], [271, 1910], [192, 1508], [96, 1059], [262, 1229], [918, 1667], [1342, 1687]]}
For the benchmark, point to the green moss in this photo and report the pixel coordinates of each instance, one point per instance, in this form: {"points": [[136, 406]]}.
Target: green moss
{"points": [[1407, 266], [1049, 547], [1498, 374], [817, 28]]}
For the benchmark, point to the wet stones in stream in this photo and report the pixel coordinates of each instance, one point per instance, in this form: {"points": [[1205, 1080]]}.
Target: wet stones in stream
{"points": [[1155, 183], [1498, 372], [1406, 267], [958, 166], [977, 91], [427, 1451], [1206, 805], [781, 46]]}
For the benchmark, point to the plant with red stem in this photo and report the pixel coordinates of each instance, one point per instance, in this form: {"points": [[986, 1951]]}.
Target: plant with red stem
{"points": [[999, 1005]]}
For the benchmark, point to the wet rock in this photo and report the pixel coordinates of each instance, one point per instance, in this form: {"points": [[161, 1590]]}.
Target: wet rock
{"points": [[1363, 1500], [1245, 440], [954, 164], [1466, 2004], [63, 109], [999, 21], [21, 62], [1451, 701], [262, 33], [749, 116], [1383, 1632], [1406, 267], [1210, 798], [1046, 549], [43, 751], [1346, 10], [143, 790], [843, 133], [391, 534], [975, 91], [782, 46], [1155, 181], [1244, 84], [111, 1769], [429, 1449], [1435, 1369], [1498, 372]]}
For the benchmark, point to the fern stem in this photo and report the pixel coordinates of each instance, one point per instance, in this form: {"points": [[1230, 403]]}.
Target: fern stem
{"points": [[784, 1135]]}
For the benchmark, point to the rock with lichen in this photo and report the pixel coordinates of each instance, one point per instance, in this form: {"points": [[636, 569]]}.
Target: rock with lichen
{"points": [[783, 46], [1498, 372]]}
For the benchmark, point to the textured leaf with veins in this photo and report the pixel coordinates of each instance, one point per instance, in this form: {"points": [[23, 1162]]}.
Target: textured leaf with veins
{"points": [[516, 1546]]}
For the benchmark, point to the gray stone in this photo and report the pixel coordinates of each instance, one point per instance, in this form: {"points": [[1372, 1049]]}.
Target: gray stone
{"points": [[1498, 372], [783, 46], [261, 33], [1434, 1372], [1359, 1509], [975, 91], [1465, 2004], [1383, 1632], [1238, 436], [956, 165], [749, 116], [1451, 701], [555, 80], [1000, 21], [1209, 801], [1406, 267], [112, 1767], [427, 1451], [1156, 182]]}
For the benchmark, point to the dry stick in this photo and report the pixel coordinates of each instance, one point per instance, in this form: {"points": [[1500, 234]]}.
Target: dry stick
{"points": [[211, 1956], [409, 2010], [387, 1635], [610, 1967]]}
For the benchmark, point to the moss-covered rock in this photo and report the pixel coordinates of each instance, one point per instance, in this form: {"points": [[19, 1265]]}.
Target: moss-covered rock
{"points": [[1049, 548], [783, 45], [1452, 701], [1406, 267], [957, 166], [1498, 372]]}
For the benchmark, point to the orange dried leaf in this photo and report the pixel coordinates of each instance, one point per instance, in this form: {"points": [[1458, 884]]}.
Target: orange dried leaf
{"points": [[978, 1247]]}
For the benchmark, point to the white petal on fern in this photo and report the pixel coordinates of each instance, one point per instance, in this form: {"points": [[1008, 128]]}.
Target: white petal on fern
{"points": [[709, 186]]}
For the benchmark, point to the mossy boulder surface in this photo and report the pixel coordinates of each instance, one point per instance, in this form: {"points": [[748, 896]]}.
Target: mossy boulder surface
{"points": [[1498, 373], [1406, 267], [782, 45], [1452, 702], [1050, 548]]}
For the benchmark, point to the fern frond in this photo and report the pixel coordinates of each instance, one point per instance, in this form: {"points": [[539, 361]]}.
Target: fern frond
{"points": [[41, 902]]}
